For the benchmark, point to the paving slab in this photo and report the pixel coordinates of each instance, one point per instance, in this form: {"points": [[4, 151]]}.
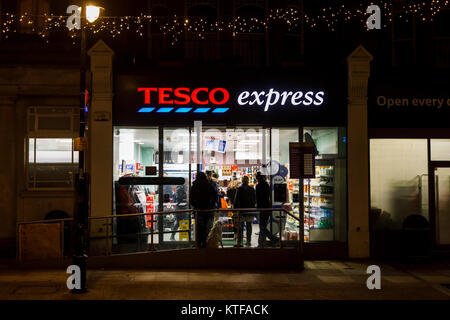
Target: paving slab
{"points": [[329, 280]]}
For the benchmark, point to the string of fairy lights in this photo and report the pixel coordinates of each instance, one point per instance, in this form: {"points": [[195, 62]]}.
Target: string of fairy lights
{"points": [[175, 27]]}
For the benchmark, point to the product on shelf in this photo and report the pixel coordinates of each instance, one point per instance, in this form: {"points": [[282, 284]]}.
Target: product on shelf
{"points": [[149, 208], [319, 199]]}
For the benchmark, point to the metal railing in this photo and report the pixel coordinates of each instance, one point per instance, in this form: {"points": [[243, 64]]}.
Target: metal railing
{"points": [[110, 233]]}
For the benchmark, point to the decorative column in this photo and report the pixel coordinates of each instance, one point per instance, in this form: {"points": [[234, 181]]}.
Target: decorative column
{"points": [[100, 165], [358, 154]]}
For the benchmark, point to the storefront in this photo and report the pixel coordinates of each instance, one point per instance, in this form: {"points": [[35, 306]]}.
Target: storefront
{"points": [[409, 164], [234, 124]]}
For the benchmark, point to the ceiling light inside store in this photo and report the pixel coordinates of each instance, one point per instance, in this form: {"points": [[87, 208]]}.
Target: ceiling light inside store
{"points": [[254, 135]]}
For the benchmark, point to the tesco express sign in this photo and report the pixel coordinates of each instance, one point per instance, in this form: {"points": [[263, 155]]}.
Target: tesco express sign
{"points": [[219, 96]]}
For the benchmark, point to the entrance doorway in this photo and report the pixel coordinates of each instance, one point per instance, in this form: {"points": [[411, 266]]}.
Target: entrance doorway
{"points": [[229, 154]]}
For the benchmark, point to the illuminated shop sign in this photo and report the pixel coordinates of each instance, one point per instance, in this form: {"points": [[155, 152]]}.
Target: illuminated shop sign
{"points": [[273, 98], [216, 100], [185, 100]]}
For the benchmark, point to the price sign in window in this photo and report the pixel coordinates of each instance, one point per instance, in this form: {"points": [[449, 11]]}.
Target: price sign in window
{"points": [[302, 160]]}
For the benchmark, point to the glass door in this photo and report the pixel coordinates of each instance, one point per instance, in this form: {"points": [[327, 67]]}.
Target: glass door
{"points": [[442, 205], [177, 160]]}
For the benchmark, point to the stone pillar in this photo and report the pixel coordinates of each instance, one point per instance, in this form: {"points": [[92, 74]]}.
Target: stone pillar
{"points": [[358, 154], [101, 144]]}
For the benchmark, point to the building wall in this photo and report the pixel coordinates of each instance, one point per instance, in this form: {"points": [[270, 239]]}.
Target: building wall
{"points": [[7, 173], [20, 88]]}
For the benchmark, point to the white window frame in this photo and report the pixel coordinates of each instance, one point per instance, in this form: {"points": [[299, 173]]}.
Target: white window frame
{"points": [[35, 133]]}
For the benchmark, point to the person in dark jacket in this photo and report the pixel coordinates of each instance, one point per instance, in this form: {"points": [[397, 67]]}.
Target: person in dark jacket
{"points": [[167, 191], [245, 198], [213, 180], [203, 196], [263, 193], [181, 201]]}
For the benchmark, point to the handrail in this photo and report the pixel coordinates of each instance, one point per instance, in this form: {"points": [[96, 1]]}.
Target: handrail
{"points": [[168, 212], [191, 210], [152, 232]]}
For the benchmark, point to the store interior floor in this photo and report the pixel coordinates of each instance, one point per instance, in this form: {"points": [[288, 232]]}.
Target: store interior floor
{"points": [[227, 242]]}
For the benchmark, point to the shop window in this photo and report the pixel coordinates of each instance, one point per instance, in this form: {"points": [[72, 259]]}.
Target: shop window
{"points": [[280, 177], [398, 181], [326, 140], [134, 151], [230, 154], [325, 196], [440, 149], [51, 161]]}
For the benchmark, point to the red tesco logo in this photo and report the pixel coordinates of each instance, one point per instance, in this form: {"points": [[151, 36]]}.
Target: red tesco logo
{"points": [[199, 96]]}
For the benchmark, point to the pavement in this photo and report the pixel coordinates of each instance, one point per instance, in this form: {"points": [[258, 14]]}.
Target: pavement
{"points": [[320, 280]]}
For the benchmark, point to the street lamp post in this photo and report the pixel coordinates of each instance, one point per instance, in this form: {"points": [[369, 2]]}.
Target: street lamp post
{"points": [[81, 213]]}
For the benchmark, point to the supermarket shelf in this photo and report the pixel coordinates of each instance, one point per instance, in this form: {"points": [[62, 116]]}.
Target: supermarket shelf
{"points": [[320, 206]]}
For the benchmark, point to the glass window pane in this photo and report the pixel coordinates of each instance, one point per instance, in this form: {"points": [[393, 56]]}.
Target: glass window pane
{"points": [[30, 167], [175, 197], [58, 175], [440, 149], [53, 150], [31, 150], [326, 139], [53, 167], [134, 150], [398, 176], [325, 196], [280, 174]]}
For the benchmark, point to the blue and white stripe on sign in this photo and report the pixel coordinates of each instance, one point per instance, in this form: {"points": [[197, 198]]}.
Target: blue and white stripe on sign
{"points": [[145, 110]]}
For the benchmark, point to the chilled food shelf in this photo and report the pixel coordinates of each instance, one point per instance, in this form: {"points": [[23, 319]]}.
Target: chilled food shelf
{"points": [[319, 200], [320, 195]]}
